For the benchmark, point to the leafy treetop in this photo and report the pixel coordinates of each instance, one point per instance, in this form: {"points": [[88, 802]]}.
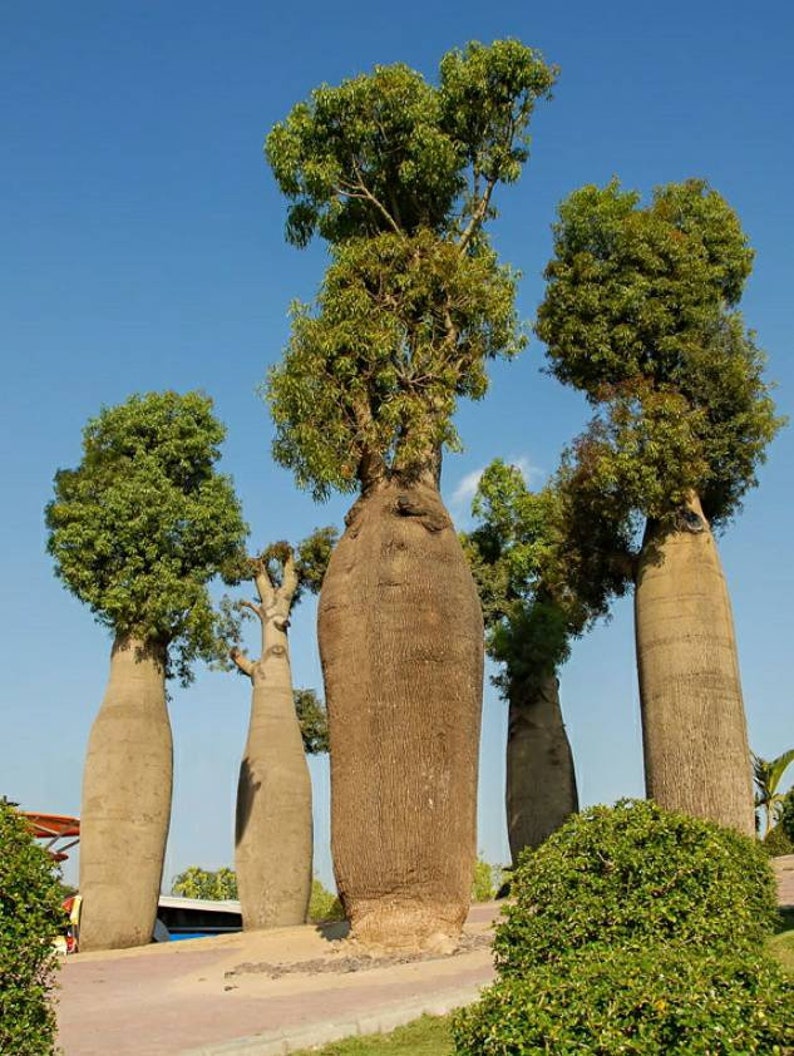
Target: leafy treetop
{"points": [[145, 521], [388, 152], [399, 176], [639, 313], [521, 558]]}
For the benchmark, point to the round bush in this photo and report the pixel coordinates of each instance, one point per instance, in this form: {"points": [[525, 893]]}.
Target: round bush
{"points": [[786, 822], [661, 1000], [30, 919], [777, 843], [635, 874]]}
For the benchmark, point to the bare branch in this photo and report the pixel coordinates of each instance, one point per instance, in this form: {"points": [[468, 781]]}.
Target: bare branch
{"points": [[478, 216], [245, 664], [254, 608]]}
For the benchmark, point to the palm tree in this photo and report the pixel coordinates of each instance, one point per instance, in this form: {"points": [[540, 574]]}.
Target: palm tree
{"points": [[767, 775]]}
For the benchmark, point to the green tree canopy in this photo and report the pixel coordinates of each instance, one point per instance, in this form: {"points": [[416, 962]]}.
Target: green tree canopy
{"points": [[194, 882], [521, 555], [399, 176], [640, 315], [142, 525], [313, 720]]}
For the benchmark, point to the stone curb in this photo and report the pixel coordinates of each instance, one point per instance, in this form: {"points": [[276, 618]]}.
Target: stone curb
{"points": [[282, 1042]]}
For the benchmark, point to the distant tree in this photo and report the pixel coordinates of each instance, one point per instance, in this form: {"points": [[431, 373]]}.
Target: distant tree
{"points": [[273, 841], [313, 721], [195, 882], [640, 314], [786, 822], [532, 611], [31, 917], [399, 176], [137, 531], [767, 775]]}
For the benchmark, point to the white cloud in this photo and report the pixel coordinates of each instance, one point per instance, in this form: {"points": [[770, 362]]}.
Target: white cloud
{"points": [[467, 488]]}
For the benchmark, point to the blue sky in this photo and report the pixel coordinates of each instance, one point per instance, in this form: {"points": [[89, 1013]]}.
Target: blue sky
{"points": [[143, 249]]}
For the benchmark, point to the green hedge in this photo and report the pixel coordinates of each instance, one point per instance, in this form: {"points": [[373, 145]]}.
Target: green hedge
{"points": [[31, 917], [609, 1000], [632, 875]]}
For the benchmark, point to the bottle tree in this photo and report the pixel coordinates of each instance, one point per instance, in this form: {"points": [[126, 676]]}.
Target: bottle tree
{"points": [[273, 830], [137, 531], [640, 314], [398, 175], [523, 558]]}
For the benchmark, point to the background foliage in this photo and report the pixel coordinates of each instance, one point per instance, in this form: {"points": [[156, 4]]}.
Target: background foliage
{"points": [[31, 917]]}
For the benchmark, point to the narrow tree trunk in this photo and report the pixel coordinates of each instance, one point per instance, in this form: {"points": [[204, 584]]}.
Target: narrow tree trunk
{"points": [[541, 782], [126, 805], [401, 642], [697, 758], [273, 854]]}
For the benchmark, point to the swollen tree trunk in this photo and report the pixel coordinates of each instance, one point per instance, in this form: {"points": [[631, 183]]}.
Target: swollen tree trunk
{"points": [[273, 852], [697, 757], [401, 642], [541, 782], [126, 805]]}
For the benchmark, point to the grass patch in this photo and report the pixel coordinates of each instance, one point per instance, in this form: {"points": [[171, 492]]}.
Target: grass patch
{"points": [[428, 1036], [781, 945]]}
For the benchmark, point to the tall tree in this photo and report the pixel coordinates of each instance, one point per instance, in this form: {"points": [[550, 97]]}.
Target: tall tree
{"points": [[640, 314], [521, 557], [399, 175], [273, 831], [137, 531]]}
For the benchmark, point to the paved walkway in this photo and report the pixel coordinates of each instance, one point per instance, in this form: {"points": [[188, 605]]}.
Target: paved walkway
{"points": [[211, 996]]}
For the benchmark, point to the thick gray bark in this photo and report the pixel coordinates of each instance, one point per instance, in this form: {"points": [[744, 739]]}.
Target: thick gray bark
{"points": [[126, 804], [401, 642], [540, 781], [697, 756], [273, 852]]}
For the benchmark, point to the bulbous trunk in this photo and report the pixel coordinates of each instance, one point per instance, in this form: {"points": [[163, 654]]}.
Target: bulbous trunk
{"points": [[697, 757], [401, 642], [126, 805], [541, 782], [273, 853]]}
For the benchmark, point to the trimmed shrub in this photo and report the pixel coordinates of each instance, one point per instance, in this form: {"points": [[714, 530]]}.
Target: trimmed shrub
{"points": [[637, 1003], [31, 917], [777, 843], [634, 875], [786, 819]]}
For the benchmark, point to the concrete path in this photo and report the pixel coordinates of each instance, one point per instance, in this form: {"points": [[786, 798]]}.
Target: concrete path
{"points": [[228, 996], [219, 996]]}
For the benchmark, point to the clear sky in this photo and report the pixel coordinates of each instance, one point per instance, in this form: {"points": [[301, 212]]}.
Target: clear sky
{"points": [[143, 250]]}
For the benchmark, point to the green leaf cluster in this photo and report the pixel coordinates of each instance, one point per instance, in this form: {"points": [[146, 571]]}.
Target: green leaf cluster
{"points": [[635, 930], [398, 175], [313, 721], [31, 917], [143, 524], [521, 558], [614, 1002], [217, 885], [386, 151], [631, 875], [403, 328], [640, 314], [786, 821]]}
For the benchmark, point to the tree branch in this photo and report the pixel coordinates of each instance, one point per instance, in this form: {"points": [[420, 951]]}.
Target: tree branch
{"points": [[245, 664], [478, 216], [254, 608]]}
